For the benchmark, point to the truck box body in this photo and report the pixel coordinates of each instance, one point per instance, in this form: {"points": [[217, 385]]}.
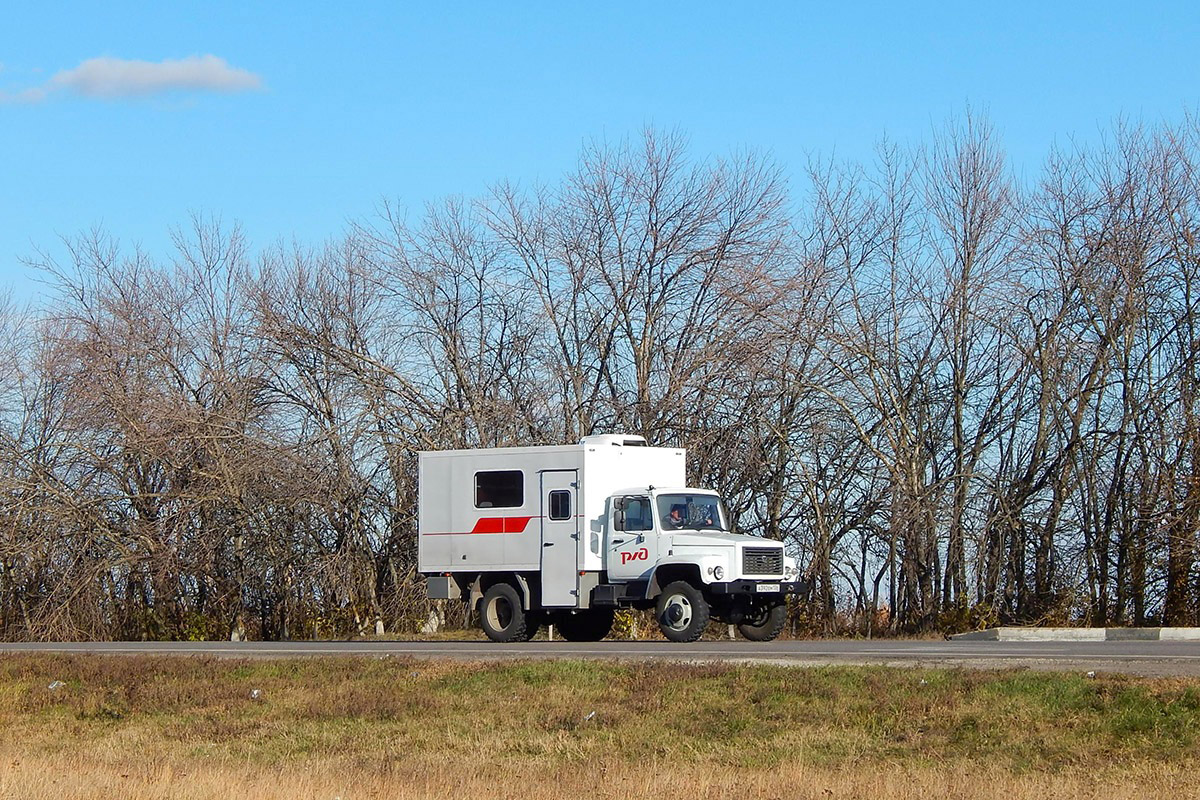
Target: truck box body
{"points": [[490, 509]]}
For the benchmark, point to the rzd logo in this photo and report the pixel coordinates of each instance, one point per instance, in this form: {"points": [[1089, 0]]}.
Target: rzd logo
{"points": [[641, 554]]}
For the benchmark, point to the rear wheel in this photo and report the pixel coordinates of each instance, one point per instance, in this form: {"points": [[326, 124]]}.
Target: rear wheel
{"points": [[590, 625], [502, 617], [534, 620], [682, 612], [764, 622]]}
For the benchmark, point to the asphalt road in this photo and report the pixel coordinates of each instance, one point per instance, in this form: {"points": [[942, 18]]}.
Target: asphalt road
{"points": [[1140, 658]]}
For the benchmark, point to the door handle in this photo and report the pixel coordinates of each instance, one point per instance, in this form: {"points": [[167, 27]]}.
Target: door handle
{"points": [[618, 541], [548, 544]]}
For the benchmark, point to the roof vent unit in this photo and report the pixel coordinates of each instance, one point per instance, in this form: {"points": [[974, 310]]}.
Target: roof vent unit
{"points": [[614, 439]]}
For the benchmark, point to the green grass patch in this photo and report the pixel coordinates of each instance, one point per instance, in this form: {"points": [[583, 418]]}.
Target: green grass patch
{"points": [[567, 711]]}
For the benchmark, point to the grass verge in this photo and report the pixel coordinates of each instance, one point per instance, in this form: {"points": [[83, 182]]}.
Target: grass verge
{"points": [[351, 727]]}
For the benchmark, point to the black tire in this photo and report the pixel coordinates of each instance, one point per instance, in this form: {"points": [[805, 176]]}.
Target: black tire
{"points": [[501, 615], [765, 624], [590, 625], [682, 612], [533, 623]]}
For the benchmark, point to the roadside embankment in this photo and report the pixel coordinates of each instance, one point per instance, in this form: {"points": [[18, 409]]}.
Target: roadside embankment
{"points": [[185, 727]]}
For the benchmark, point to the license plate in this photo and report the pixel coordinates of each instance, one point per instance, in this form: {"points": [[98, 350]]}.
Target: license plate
{"points": [[767, 587]]}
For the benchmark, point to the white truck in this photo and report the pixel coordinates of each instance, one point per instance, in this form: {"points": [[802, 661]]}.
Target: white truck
{"points": [[565, 535]]}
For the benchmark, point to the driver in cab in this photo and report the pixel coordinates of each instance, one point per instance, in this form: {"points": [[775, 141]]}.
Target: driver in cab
{"points": [[678, 516]]}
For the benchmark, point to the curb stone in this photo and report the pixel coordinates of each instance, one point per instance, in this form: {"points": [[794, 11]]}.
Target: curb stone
{"points": [[1015, 634]]}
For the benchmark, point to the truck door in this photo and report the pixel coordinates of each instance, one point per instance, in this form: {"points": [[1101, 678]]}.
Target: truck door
{"points": [[633, 553], [560, 539]]}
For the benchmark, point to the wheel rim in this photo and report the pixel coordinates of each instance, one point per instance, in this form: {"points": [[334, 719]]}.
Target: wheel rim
{"points": [[677, 614], [758, 617], [500, 613]]}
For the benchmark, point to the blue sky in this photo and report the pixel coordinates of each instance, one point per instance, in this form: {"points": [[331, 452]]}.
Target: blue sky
{"points": [[314, 113]]}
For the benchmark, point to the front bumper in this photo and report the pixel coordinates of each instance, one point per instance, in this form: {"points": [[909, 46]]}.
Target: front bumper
{"points": [[751, 587]]}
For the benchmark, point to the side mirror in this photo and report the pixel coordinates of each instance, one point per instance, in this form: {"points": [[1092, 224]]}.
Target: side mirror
{"points": [[619, 513]]}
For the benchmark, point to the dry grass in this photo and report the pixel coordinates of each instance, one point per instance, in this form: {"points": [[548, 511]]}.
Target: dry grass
{"points": [[189, 779], [189, 728]]}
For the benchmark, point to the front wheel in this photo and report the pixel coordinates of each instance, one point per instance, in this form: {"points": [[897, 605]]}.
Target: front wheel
{"points": [[682, 612], [764, 623]]}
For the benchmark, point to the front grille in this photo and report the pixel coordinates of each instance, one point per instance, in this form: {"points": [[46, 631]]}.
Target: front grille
{"points": [[762, 561]]}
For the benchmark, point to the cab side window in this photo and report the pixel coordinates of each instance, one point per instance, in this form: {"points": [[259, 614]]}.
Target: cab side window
{"points": [[638, 516]]}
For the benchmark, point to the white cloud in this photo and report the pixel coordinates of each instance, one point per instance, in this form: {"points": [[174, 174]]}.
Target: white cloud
{"points": [[113, 78], [34, 95]]}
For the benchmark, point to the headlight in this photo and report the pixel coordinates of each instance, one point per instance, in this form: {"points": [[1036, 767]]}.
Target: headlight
{"points": [[718, 572]]}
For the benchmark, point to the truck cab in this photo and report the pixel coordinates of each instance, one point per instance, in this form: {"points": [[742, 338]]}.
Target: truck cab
{"points": [[676, 546], [565, 535]]}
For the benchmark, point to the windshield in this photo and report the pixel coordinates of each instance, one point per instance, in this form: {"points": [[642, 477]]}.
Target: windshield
{"points": [[692, 512]]}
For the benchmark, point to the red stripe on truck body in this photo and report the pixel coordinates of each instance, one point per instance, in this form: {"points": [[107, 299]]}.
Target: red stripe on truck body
{"points": [[492, 525]]}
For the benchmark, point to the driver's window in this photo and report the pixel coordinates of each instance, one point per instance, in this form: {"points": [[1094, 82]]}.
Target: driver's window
{"points": [[637, 514]]}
